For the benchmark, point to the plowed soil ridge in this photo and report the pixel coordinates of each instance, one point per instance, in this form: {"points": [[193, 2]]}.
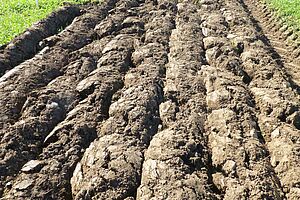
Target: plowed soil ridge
{"points": [[27, 44], [151, 100]]}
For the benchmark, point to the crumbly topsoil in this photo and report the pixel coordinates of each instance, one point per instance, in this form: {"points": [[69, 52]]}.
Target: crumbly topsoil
{"points": [[150, 100]]}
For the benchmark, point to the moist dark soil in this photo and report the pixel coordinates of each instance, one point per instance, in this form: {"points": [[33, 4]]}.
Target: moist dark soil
{"points": [[151, 100]]}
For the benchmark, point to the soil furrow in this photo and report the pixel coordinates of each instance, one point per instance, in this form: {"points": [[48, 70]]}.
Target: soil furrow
{"points": [[37, 72], [26, 45], [45, 106], [284, 40], [117, 155], [276, 101], [239, 157], [281, 40], [67, 141], [176, 162], [42, 111], [115, 59], [153, 100]]}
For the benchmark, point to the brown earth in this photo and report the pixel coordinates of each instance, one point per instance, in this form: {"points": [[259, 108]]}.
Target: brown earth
{"points": [[151, 100]]}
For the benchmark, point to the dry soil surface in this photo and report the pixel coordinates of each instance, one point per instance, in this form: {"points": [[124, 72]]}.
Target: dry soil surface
{"points": [[150, 100]]}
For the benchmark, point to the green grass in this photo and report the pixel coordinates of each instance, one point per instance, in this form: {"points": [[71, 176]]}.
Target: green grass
{"points": [[289, 10], [17, 15]]}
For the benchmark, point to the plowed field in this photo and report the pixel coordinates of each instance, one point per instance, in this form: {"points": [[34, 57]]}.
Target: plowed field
{"points": [[151, 100]]}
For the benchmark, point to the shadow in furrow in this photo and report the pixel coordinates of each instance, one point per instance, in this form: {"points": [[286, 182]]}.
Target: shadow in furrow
{"points": [[275, 55], [46, 94]]}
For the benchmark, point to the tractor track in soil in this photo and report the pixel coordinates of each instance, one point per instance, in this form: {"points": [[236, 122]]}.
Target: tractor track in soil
{"points": [[152, 100]]}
